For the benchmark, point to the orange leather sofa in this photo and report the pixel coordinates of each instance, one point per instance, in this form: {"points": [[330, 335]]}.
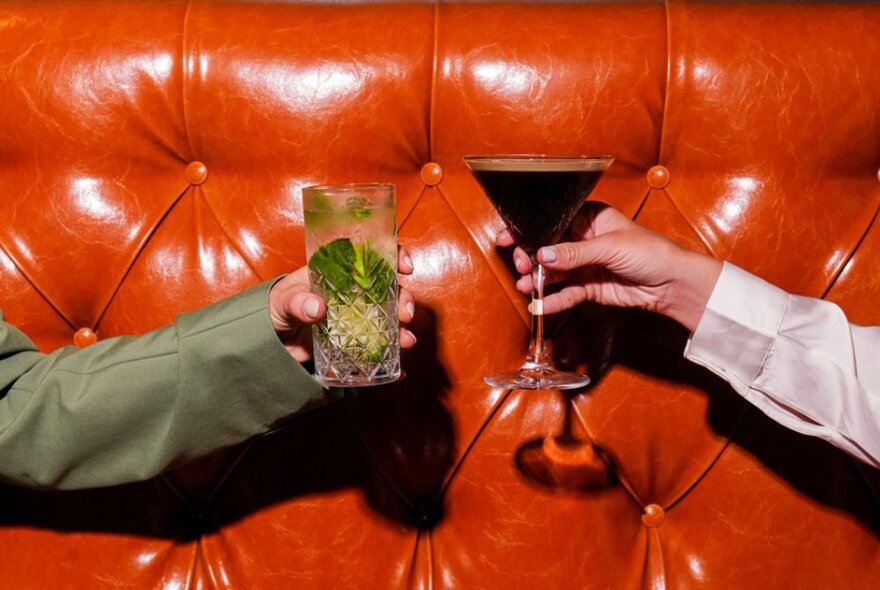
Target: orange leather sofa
{"points": [[151, 161]]}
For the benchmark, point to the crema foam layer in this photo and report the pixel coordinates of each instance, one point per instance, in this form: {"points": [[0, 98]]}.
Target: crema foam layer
{"points": [[536, 164]]}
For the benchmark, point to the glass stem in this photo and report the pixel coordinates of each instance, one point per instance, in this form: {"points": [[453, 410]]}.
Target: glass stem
{"points": [[537, 353]]}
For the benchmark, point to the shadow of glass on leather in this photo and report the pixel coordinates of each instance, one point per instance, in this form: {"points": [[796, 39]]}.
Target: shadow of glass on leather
{"points": [[566, 460]]}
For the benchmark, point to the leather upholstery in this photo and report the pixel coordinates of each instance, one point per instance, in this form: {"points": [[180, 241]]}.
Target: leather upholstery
{"points": [[151, 161]]}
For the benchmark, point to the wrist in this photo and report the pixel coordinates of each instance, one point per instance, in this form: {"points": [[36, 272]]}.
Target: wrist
{"points": [[689, 291]]}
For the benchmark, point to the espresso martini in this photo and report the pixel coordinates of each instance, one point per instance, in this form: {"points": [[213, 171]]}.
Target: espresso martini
{"points": [[537, 197]]}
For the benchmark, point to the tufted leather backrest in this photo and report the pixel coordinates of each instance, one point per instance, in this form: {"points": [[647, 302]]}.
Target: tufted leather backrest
{"points": [[151, 161]]}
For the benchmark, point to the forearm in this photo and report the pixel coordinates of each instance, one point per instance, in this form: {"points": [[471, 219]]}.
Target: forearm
{"points": [[125, 409]]}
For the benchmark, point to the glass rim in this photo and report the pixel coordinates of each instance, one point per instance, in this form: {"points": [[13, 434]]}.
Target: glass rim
{"points": [[501, 161], [350, 187], [535, 157]]}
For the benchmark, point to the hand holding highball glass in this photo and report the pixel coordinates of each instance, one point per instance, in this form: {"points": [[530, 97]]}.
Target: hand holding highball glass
{"points": [[537, 197]]}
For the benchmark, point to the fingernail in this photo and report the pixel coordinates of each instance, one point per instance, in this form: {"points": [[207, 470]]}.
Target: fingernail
{"points": [[311, 308], [547, 254], [410, 308], [413, 336], [408, 261]]}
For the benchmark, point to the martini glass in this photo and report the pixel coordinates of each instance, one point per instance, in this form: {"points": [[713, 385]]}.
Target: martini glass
{"points": [[537, 197]]}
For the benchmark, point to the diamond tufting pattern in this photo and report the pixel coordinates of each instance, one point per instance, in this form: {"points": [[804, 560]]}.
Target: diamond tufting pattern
{"points": [[151, 162]]}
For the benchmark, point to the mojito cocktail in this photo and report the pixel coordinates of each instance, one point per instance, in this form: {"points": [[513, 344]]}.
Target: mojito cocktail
{"points": [[351, 244]]}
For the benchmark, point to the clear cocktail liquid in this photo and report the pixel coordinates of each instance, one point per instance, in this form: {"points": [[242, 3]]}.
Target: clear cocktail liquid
{"points": [[351, 243]]}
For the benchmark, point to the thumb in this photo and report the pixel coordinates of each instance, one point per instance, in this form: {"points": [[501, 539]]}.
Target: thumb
{"points": [[307, 308], [301, 306]]}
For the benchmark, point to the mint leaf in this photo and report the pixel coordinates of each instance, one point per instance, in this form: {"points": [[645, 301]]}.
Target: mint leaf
{"points": [[356, 280], [373, 273], [333, 263], [341, 266]]}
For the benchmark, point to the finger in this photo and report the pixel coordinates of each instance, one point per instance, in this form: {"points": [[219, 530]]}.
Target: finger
{"points": [[567, 298], [522, 262], [404, 261], [406, 307], [524, 266], [407, 339], [570, 255], [504, 238], [526, 283], [305, 307]]}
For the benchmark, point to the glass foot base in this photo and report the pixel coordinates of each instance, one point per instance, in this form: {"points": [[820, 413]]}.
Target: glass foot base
{"points": [[537, 378], [360, 381]]}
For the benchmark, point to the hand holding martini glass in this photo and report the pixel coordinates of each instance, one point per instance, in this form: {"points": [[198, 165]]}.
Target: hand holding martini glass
{"points": [[537, 197]]}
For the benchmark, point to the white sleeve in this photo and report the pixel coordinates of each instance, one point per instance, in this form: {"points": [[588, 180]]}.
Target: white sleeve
{"points": [[796, 358]]}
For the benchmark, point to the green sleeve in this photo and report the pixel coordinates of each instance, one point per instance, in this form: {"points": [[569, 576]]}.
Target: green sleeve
{"points": [[125, 409]]}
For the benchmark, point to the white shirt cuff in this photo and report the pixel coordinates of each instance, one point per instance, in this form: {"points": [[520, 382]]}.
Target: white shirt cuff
{"points": [[738, 326]]}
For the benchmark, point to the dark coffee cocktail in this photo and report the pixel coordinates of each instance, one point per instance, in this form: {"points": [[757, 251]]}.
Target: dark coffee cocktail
{"points": [[537, 203], [537, 197]]}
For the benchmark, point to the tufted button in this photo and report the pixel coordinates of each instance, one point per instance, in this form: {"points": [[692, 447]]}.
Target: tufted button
{"points": [[658, 176], [196, 172], [653, 516], [84, 337], [431, 174]]}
